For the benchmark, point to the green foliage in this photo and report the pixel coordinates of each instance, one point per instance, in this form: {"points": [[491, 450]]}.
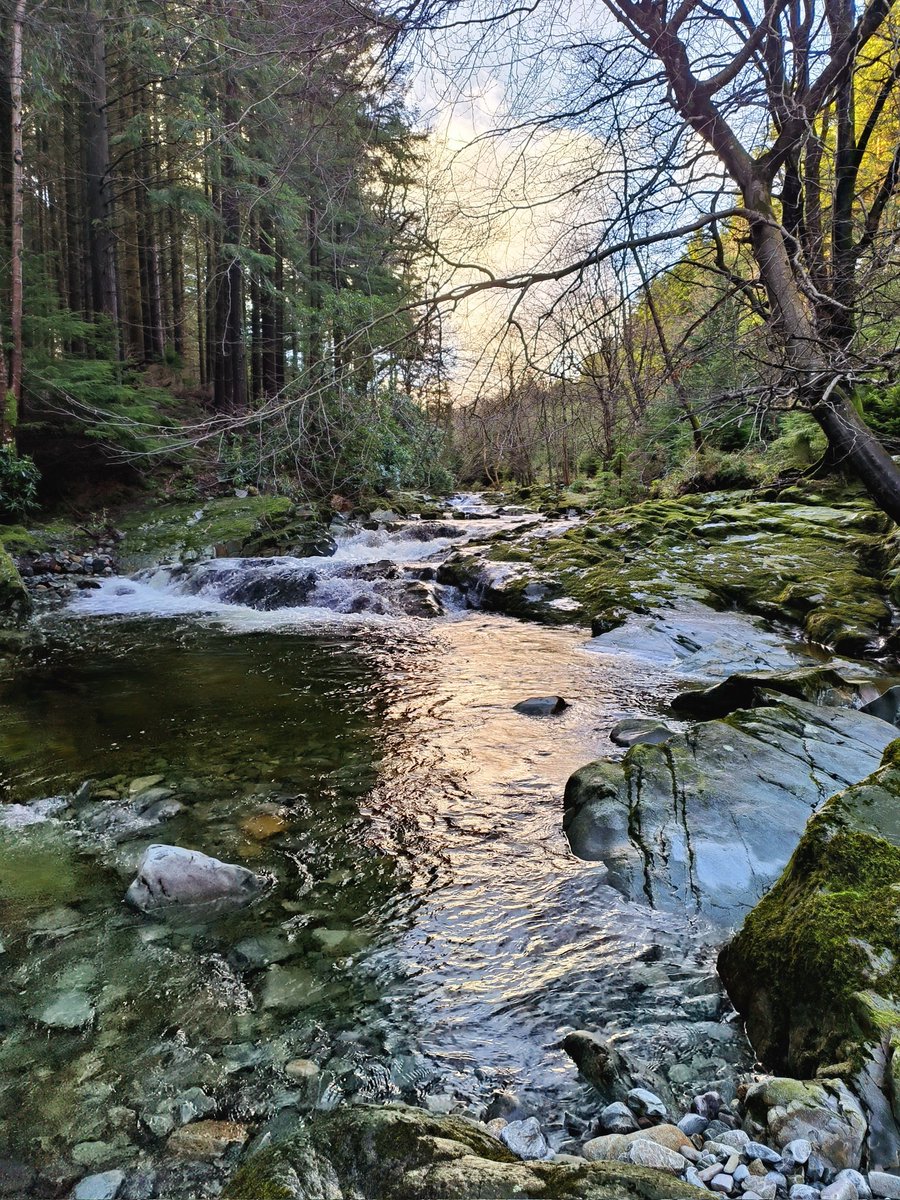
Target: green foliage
{"points": [[881, 410], [19, 479]]}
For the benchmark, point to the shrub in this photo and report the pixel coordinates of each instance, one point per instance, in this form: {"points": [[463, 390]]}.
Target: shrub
{"points": [[18, 484]]}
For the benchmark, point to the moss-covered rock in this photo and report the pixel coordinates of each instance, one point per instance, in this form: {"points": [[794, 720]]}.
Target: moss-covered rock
{"points": [[229, 523], [827, 567], [14, 600], [398, 1153], [815, 969], [708, 819]]}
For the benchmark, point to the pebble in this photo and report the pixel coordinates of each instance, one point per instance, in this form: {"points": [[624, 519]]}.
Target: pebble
{"points": [[104, 1186], [802, 1191], [525, 1139], [206, 1140], [841, 1189], [646, 1104], [617, 1118], [722, 1183], [764, 1153], [884, 1185], [858, 1180], [798, 1150], [692, 1124], [736, 1138]]}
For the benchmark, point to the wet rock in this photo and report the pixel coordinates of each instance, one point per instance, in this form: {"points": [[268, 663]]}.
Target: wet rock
{"points": [[813, 969], [707, 1104], [599, 1062], [638, 731], [646, 1104], [171, 876], [617, 1118], [826, 1113], [884, 1185], [745, 788], [67, 1010], [206, 1140], [505, 1106], [525, 1139], [396, 1151], [644, 1153], [749, 689], [886, 706], [541, 706], [104, 1186], [614, 1145]]}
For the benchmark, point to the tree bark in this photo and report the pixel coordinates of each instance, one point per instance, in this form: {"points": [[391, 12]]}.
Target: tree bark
{"points": [[13, 409]]}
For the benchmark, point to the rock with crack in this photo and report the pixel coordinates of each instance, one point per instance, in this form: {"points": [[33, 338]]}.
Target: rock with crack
{"points": [[709, 819]]}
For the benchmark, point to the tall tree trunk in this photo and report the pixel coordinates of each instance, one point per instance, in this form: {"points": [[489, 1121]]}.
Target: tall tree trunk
{"points": [[13, 409], [102, 250], [230, 394]]}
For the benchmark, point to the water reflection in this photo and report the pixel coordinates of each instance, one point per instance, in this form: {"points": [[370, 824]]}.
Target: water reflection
{"points": [[428, 930]]}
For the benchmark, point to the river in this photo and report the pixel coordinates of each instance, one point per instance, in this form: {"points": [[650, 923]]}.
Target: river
{"points": [[427, 933]]}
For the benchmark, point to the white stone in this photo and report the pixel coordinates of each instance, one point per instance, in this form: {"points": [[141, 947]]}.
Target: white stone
{"points": [[170, 875]]}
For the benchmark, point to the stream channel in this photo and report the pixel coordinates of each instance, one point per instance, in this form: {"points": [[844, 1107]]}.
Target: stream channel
{"points": [[427, 934]]}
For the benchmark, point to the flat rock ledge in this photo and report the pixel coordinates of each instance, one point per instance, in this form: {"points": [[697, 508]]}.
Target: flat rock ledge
{"points": [[708, 819]]}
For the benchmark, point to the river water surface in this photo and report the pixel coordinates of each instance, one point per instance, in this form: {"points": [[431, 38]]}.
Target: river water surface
{"points": [[427, 933]]}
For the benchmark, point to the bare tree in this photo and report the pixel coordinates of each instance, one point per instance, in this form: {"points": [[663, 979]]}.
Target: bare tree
{"points": [[749, 113]]}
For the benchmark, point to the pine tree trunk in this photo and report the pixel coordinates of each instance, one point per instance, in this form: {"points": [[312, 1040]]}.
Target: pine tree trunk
{"points": [[101, 242], [14, 410]]}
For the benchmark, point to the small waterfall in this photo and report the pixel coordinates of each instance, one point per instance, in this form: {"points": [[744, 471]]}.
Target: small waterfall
{"points": [[387, 571]]}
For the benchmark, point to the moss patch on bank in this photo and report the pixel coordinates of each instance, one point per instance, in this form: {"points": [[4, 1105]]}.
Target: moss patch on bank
{"points": [[815, 969], [829, 567], [14, 601]]}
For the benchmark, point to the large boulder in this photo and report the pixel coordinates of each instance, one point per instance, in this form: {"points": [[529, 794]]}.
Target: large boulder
{"points": [[172, 877], [748, 689], [398, 1153], [708, 820], [815, 969], [822, 1112]]}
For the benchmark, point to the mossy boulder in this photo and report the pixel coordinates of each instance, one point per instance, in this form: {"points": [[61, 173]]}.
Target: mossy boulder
{"points": [[399, 1153], [828, 567], [15, 603], [815, 968], [234, 525], [708, 820]]}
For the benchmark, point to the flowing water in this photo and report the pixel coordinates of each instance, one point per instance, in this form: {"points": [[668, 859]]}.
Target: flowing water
{"points": [[426, 933]]}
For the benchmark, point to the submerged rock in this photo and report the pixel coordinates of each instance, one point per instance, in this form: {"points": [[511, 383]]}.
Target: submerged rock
{"points": [[639, 731], [67, 1010], [393, 1152], [599, 1062], [708, 820], [542, 706], [171, 876]]}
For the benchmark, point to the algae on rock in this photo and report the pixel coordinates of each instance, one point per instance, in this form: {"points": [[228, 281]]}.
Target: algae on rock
{"points": [[400, 1153], [827, 567]]}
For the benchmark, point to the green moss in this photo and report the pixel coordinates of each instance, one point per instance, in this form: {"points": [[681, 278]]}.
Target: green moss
{"points": [[14, 601], [176, 528], [826, 935], [827, 567]]}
